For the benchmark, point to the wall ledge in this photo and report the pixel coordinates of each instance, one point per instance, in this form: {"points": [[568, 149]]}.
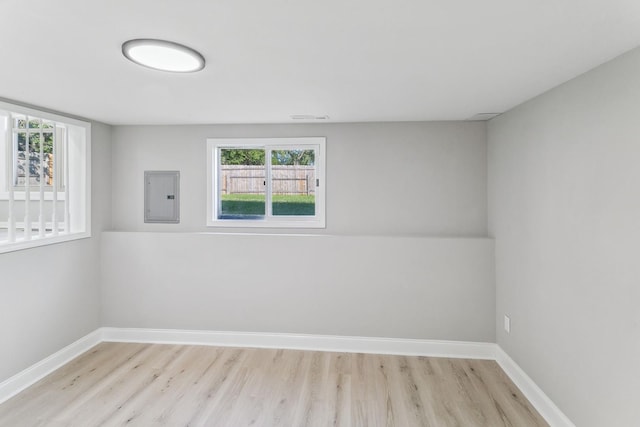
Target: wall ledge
{"points": [[307, 234]]}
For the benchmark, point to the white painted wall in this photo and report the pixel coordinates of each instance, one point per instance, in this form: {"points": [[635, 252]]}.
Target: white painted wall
{"points": [[382, 178], [49, 296], [400, 287], [564, 207]]}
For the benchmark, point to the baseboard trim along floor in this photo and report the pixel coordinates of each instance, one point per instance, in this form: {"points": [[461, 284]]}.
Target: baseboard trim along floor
{"points": [[538, 398], [41, 369], [406, 347]]}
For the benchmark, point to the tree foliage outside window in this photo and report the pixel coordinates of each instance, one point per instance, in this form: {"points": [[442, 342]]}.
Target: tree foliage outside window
{"points": [[293, 157], [243, 156]]}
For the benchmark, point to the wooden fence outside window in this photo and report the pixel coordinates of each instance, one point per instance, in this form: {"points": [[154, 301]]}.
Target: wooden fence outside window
{"points": [[245, 179]]}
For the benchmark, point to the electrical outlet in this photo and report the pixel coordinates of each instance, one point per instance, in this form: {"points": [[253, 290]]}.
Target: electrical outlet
{"points": [[507, 324]]}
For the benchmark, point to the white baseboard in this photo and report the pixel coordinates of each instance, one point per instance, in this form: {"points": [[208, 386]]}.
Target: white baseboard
{"points": [[398, 346], [545, 406], [34, 373]]}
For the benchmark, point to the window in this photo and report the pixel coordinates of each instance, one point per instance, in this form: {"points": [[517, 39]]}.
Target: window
{"points": [[36, 137], [266, 182], [44, 178]]}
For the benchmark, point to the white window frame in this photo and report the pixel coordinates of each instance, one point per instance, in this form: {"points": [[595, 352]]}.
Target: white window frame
{"points": [[76, 220], [268, 144]]}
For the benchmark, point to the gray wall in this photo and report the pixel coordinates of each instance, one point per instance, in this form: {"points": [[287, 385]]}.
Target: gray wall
{"points": [[360, 276], [564, 207], [382, 178], [398, 287], [49, 296]]}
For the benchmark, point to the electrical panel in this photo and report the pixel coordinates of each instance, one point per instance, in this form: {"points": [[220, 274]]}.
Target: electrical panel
{"points": [[162, 197]]}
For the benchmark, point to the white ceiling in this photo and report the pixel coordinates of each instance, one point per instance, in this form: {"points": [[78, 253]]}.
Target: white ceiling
{"points": [[353, 60]]}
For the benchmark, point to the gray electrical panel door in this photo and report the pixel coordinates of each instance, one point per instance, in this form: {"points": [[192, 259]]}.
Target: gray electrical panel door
{"points": [[162, 197]]}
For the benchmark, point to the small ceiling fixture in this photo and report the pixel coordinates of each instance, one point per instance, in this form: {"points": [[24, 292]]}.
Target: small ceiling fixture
{"points": [[308, 117], [163, 55]]}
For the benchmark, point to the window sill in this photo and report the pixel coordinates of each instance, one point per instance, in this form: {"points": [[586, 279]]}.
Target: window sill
{"points": [[36, 241], [243, 223]]}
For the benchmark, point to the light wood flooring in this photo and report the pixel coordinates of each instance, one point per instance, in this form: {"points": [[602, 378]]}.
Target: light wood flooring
{"points": [[117, 384]]}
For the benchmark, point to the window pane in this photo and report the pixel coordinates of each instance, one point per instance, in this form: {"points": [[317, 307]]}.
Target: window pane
{"points": [[48, 158], [242, 183], [19, 123], [34, 159], [35, 162], [20, 152], [293, 179]]}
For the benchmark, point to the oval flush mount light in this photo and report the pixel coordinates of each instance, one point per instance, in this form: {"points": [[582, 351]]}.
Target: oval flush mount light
{"points": [[163, 55]]}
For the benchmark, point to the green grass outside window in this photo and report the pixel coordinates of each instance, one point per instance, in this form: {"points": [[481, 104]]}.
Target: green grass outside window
{"points": [[254, 204]]}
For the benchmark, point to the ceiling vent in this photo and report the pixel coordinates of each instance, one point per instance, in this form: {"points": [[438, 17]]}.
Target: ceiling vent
{"points": [[308, 117]]}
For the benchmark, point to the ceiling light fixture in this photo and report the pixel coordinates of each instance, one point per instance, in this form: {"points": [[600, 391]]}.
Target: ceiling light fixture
{"points": [[163, 55]]}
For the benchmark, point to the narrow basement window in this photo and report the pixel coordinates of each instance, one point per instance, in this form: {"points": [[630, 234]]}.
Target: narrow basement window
{"points": [[266, 182], [44, 178]]}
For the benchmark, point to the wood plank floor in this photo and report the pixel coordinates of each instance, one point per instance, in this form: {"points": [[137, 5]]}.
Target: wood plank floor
{"points": [[117, 384]]}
